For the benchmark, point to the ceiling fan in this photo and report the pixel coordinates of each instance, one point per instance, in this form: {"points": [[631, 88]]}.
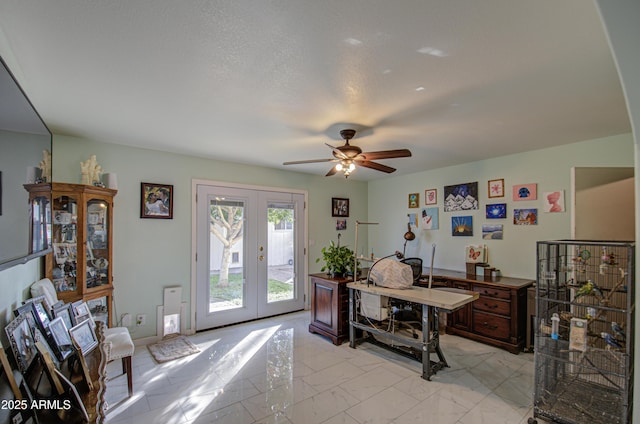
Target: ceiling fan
{"points": [[348, 156]]}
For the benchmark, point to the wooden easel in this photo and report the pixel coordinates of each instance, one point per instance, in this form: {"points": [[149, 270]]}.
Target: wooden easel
{"points": [[7, 370]]}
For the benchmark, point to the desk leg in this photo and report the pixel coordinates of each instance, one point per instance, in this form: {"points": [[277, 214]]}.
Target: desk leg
{"points": [[426, 343], [352, 318], [436, 339]]}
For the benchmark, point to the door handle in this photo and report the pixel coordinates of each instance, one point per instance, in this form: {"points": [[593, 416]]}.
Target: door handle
{"points": [[261, 257]]}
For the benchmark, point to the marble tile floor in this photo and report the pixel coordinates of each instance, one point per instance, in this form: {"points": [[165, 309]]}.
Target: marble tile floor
{"points": [[275, 371]]}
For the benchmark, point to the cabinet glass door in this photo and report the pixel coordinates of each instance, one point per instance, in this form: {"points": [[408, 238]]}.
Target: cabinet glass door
{"points": [[97, 254], [40, 223], [65, 235]]}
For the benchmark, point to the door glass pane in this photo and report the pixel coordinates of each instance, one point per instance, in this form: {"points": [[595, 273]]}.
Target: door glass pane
{"points": [[65, 233], [280, 245], [97, 254], [226, 251]]}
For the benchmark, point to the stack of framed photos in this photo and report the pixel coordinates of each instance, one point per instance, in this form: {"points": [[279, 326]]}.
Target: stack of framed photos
{"points": [[52, 341]]}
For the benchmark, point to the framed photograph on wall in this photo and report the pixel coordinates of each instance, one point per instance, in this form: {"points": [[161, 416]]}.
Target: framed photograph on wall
{"points": [[339, 207], [431, 196], [156, 201], [496, 187]]}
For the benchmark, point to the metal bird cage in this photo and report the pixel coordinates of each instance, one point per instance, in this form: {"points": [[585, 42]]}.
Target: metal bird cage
{"points": [[583, 352]]}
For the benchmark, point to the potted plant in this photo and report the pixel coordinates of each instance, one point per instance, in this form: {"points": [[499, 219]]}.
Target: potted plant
{"points": [[338, 260]]}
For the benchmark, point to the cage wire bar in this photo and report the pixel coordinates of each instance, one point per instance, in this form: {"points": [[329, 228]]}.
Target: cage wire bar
{"points": [[583, 355]]}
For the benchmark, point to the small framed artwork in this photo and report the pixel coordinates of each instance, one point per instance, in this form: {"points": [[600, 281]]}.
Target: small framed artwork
{"points": [[60, 252], [462, 226], [475, 254], [525, 216], [429, 219], [492, 231], [61, 337], [525, 192], [496, 187], [554, 201], [496, 211], [414, 200], [84, 337], [339, 207], [461, 197], [40, 312], [156, 201], [341, 224], [431, 196], [64, 311], [81, 309], [22, 342], [82, 313], [413, 219]]}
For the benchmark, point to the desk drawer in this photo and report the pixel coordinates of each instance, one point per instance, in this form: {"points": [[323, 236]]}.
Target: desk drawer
{"points": [[492, 292], [494, 306], [491, 325]]}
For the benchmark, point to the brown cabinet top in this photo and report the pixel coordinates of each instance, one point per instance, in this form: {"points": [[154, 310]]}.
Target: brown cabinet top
{"points": [[447, 274], [441, 275]]}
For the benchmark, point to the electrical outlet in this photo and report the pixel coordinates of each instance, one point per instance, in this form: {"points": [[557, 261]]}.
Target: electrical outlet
{"points": [[126, 320], [141, 319]]}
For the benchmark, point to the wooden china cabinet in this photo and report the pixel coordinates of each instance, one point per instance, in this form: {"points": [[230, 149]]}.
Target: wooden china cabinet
{"points": [[81, 266]]}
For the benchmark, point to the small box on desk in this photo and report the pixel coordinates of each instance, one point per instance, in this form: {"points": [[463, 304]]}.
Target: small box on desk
{"points": [[488, 273], [478, 270], [471, 269]]}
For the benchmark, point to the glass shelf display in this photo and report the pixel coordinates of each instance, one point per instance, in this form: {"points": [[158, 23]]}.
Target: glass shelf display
{"points": [[80, 265]]}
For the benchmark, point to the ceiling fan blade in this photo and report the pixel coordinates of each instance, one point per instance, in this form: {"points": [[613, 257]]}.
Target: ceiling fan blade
{"points": [[375, 165], [386, 154], [337, 153], [331, 172], [296, 162]]}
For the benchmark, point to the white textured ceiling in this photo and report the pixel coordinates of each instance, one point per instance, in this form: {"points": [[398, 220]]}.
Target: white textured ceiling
{"points": [[268, 81]]}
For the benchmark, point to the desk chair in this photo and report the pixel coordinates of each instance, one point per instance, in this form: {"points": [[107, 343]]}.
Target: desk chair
{"points": [[416, 267], [122, 346]]}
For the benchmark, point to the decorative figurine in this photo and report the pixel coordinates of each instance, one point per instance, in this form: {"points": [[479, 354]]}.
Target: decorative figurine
{"points": [[45, 166], [90, 171]]}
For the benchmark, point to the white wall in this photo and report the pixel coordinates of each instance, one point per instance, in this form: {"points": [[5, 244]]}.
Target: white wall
{"points": [[549, 168], [620, 19], [150, 254]]}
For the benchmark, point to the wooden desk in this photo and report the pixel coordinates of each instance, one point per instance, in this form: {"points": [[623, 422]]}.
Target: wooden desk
{"points": [[431, 301], [498, 318]]}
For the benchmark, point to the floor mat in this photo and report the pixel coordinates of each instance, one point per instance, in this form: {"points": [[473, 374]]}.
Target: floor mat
{"points": [[172, 347]]}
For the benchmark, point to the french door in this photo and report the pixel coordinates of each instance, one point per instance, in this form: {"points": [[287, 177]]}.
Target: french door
{"points": [[249, 254]]}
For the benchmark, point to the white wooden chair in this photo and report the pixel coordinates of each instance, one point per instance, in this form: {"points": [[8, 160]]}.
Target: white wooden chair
{"points": [[122, 346]]}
